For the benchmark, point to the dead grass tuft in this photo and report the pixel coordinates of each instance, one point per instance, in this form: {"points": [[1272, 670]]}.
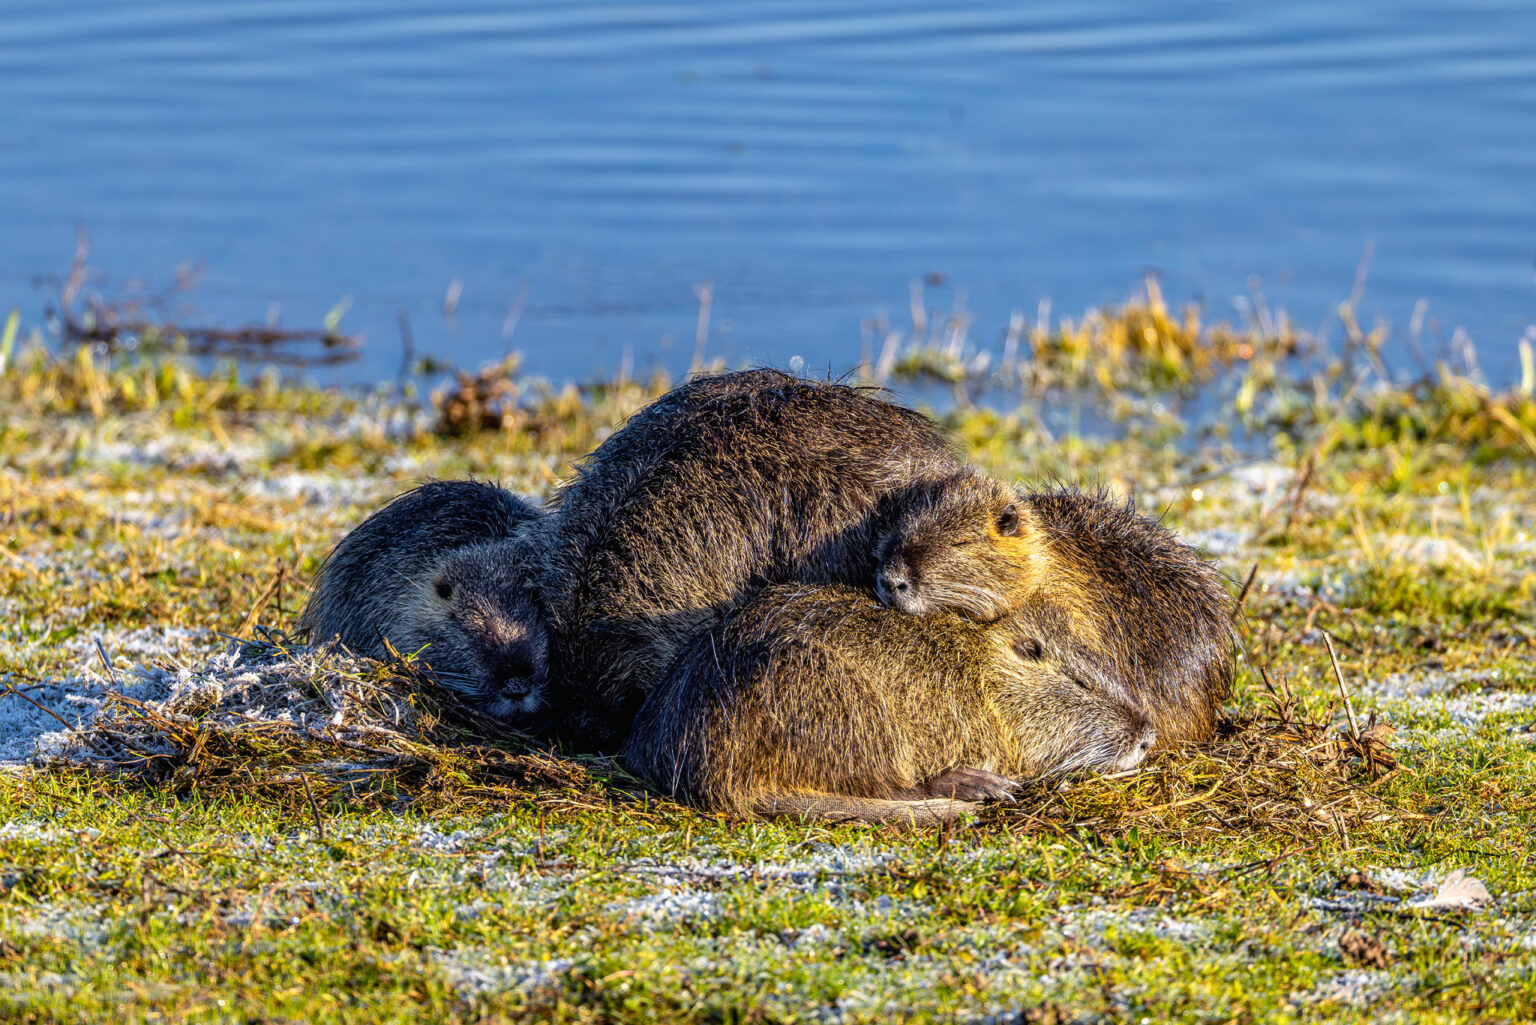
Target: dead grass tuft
{"points": [[298, 725], [1278, 774]]}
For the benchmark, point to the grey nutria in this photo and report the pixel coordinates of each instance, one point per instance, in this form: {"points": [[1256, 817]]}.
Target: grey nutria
{"points": [[821, 702], [722, 484], [446, 571], [1127, 586]]}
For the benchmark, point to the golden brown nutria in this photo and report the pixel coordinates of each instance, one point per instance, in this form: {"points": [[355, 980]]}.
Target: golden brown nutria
{"points": [[1128, 587], [971, 546], [726, 482], [820, 701], [443, 570]]}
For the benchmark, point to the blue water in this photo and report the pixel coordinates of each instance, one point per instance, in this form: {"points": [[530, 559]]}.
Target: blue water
{"points": [[590, 164]]}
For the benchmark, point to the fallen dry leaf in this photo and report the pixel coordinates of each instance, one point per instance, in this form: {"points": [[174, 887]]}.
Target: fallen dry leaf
{"points": [[1457, 890]]}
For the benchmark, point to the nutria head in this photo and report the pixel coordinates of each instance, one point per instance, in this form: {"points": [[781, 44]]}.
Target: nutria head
{"points": [[966, 542], [475, 621], [1067, 709], [1144, 601], [445, 570]]}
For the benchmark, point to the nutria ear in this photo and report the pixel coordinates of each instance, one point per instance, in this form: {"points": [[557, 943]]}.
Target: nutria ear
{"points": [[1008, 520], [1029, 648]]}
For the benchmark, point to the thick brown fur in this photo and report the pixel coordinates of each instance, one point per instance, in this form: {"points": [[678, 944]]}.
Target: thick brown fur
{"points": [[446, 571], [820, 701], [1151, 607], [727, 482]]}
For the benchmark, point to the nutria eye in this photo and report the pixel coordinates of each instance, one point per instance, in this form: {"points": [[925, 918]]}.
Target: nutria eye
{"points": [[1008, 520], [1029, 648], [444, 589]]}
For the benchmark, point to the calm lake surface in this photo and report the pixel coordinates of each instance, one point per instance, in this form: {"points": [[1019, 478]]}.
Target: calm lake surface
{"points": [[589, 164]]}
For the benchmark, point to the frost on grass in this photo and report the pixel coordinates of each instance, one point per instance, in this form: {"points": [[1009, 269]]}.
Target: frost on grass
{"points": [[1443, 706], [474, 973], [81, 925], [244, 689], [831, 878], [1354, 987], [667, 907], [124, 648], [1222, 542], [440, 842], [50, 720], [826, 865], [1094, 924], [175, 452]]}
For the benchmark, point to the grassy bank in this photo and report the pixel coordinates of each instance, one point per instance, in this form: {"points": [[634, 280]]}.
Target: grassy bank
{"points": [[275, 838]]}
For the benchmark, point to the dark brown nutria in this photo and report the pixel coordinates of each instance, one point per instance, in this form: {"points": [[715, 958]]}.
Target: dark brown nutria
{"points": [[1129, 588], [444, 570], [820, 701], [725, 482]]}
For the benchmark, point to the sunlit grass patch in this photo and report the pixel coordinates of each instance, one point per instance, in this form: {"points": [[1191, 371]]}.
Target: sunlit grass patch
{"points": [[1446, 595]]}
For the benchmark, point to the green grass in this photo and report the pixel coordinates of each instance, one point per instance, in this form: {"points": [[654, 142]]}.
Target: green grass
{"points": [[1266, 876]]}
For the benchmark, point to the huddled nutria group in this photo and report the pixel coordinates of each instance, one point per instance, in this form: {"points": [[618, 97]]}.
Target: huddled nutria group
{"points": [[777, 596]]}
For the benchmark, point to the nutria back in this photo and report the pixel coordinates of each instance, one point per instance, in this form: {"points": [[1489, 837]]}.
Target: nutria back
{"points": [[444, 572], [726, 482], [804, 698], [1157, 613]]}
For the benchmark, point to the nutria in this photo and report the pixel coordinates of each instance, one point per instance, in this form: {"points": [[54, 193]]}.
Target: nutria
{"points": [[820, 701], [1127, 586], [723, 483], [444, 570]]}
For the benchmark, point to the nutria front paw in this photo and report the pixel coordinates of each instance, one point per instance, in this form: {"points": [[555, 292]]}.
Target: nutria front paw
{"points": [[963, 783]]}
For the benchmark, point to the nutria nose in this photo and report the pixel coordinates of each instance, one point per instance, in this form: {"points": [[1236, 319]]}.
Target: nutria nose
{"points": [[517, 665], [893, 585]]}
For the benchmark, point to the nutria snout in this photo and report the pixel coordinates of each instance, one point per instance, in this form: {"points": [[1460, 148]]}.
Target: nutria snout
{"points": [[481, 630]]}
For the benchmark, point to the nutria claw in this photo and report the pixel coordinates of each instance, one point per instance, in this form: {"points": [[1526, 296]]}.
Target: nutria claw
{"points": [[964, 783]]}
